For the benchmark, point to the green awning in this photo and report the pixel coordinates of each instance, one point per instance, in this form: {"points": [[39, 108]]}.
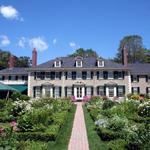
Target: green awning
{"points": [[4, 87], [19, 88]]}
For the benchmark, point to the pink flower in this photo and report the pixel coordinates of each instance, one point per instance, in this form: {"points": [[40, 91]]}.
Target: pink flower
{"points": [[13, 124]]}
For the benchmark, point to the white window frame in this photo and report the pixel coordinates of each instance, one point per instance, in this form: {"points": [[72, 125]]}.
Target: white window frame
{"points": [[78, 63], [110, 75], [57, 63], [100, 63]]}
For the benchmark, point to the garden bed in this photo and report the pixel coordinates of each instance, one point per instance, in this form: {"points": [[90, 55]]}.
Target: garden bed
{"points": [[39, 121], [119, 125]]}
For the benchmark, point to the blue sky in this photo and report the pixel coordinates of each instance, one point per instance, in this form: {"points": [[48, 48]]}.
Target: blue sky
{"points": [[58, 27]]}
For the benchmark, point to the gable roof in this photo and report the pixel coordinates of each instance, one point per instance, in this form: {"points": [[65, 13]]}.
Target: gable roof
{"points": [[88, 62], [15, 70]]}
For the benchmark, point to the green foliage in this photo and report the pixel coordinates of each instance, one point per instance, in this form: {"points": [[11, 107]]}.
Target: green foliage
{"points": [[59, 118], [107, 134], [108, 104], [118, 144], [16, 96], [136, 51], [2, 103], [144, 109], [22, 61], [82, 52]]}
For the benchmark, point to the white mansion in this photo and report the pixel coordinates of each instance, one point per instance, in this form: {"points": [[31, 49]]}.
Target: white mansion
{"points": [[78, 77]]}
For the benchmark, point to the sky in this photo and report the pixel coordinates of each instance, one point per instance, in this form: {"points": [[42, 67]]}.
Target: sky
{"points": [[59, 27]]}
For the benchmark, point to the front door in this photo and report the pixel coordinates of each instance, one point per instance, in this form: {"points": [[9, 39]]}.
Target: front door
{"points": [[79, 92]]}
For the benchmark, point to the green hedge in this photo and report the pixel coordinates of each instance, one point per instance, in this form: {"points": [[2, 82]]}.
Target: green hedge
{"points": [[50, 134]]}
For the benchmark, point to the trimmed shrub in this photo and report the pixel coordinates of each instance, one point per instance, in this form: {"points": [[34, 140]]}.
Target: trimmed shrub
{"points": [[107, 135], [108, 104], [118, 144], [59, 118]]}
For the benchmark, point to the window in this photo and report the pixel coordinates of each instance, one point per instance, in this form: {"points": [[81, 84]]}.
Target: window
{"points": [[134, 78], [78, 63], [47, 75], [37, 92], [9, 77], [89, 91], [79, 75], [16, 77], [111, 91], [40, 75], [148, 78], [120, 91], [68, 91], [84, 75], [69, 75], [74, 75], [57, 92], [110, 75], [148, 90], [135, 90], [118, 75], [47, 91], [101, 90], [57, 63], [105, 75], [58, 75], [52, 75], [100, 63], [2, 78]]}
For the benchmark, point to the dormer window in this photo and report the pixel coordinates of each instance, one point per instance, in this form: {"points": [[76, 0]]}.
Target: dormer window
{"points": [[100, 63], [57, 63], [78, 63]]}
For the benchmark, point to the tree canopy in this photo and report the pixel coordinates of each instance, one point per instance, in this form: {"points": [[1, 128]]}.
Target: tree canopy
{"points": [[22, 61], [84, 52], [136, 50]]}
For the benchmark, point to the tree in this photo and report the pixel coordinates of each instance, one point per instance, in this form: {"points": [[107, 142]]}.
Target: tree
{"points": [[136, 51], [22, 61], [82, 52]]}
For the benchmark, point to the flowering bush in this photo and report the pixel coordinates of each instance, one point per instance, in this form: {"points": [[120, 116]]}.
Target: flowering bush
{"points": [[144, 109]]}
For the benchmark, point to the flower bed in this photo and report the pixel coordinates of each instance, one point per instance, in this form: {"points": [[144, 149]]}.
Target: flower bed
{"points": [[38, 120], [121, 125]]}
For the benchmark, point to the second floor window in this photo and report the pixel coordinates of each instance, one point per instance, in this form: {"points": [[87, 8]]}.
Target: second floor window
{"points": [[134, 78], [74, 75]]}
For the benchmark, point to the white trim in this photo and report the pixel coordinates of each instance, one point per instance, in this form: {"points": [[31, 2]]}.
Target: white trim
{"points": [[100, 64], [55, 63]]}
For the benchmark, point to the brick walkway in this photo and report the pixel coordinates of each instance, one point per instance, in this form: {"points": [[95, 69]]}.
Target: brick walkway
{"points": [[78, 140]]}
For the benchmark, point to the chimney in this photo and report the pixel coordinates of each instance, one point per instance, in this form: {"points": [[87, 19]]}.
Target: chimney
{"points": [[34, 58], [11, 62], [125, 56]]}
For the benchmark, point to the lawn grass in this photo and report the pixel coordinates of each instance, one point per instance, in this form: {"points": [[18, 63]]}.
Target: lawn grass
{"points": [[65, 133], [95, 143]]}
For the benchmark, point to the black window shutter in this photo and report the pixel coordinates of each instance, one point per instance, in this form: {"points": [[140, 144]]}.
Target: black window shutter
{"points": [[97, 74], [138, 90], [132, 90]]}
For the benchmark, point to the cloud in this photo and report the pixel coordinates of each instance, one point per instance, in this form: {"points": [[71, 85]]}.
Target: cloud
{"points": [[4, 40], [72, 44], [54, 41], [10, 12], [22, 42], [39, 43]]}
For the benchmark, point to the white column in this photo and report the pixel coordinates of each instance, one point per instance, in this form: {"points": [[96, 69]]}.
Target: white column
{"points": [[43, 92], [83, 91], [129, 82], [29, 85], [75, 92], [107, 91], [115, 91], [51, 91]]}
